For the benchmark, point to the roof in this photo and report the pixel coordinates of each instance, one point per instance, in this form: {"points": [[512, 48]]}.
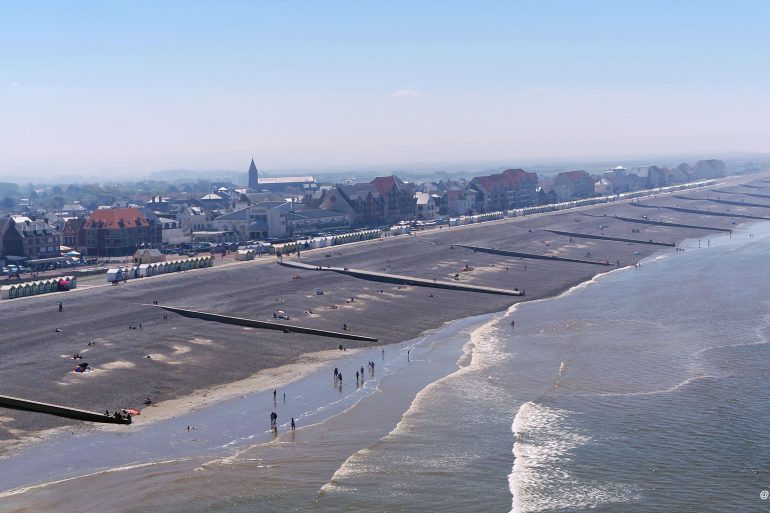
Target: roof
{"points": [[454, 194], [422, 198], [286, 180], [575, 176], [508, 179], [212, 196], [240, 214], [359, 191], [384, 184], [27, 227], [146, 251], [270, 204], [116, 218]]}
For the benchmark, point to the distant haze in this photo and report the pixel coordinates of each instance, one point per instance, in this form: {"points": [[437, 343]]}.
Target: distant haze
{"points": [[114, 89]]}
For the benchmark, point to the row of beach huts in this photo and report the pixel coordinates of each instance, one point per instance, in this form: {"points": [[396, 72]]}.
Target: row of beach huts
{"points": [[331, 240], [37, 287], [119, 274]]}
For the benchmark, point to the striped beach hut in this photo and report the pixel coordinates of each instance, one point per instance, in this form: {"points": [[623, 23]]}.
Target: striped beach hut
{"points": [[8, 292]]}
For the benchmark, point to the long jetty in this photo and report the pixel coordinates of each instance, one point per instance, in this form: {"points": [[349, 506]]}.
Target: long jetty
{"points": [[250, 323], [517, 254], [717, 214], [17, 403], [662, 223], [403, 280], [616, 239]]}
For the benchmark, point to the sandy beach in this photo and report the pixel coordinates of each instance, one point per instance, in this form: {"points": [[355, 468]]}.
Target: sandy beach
{"points": [[184, 363]]}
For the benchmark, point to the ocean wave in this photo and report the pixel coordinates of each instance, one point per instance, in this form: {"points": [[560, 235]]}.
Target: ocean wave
{"points": [[668, 390], [540, 479], [483, 350]]}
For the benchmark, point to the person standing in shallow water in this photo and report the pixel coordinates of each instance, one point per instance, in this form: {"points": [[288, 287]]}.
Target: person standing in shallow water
{"points": [[293, 426]]}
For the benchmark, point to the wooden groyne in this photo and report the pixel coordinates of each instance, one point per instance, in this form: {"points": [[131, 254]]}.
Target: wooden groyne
{"points": [[17, 403], [640, 205], [662, 223], [749, 186], [725, 202], [616, 239], [717, 214], [752, 194], [739, 203], [250, 323], [404, 280], [550, 258]]}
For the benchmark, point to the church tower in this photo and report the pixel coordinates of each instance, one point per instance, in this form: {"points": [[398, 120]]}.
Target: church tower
{"points": [[253, 177]]}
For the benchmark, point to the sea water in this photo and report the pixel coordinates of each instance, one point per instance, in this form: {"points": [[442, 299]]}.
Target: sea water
{"points": [[644, 390]]}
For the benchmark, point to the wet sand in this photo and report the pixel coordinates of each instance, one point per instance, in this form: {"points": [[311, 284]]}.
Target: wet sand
{"points": [[193, 362]]}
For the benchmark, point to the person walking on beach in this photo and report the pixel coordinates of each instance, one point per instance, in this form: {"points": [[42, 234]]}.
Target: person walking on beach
{"points": [[408, 355], [293, 425], [275, 392], [61, 307]]}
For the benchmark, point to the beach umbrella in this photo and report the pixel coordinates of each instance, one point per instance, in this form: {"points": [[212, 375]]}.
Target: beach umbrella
{"points": [[72, 253]]}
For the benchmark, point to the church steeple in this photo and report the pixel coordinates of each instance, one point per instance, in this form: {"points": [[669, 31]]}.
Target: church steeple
{"points": [[253, 176]]}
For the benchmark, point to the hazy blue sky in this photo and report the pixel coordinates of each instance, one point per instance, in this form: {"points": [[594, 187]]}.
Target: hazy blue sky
{"points": [[106, 88]]}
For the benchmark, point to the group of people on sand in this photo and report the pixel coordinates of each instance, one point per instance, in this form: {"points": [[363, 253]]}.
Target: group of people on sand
{"points": [[119, 414]]}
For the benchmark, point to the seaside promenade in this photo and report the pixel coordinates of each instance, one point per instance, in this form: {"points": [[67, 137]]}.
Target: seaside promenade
{"points": [[172, 356]]}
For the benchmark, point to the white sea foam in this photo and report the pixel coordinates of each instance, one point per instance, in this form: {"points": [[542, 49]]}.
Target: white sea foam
{"points": [[483, 350], [124, 468], [668, 390], [540, 479]]}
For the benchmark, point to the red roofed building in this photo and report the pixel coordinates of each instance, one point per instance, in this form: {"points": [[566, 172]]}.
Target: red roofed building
{"points": [[400, 203], [573, 185], [384, 200], [114, 232], [513, 188]]}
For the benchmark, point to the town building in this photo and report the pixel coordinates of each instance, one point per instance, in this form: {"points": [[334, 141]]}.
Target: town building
{"points": [[292, 185], [459, 202], [573, 185], [114, 232], [71, 234], [148, 256], [253, 177], [513, 188], [706, 169], [26, 239], [426, 206]]}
